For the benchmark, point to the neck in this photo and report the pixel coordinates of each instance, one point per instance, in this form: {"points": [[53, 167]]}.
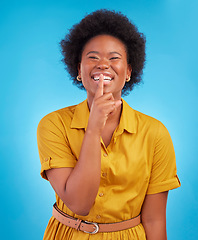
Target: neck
{"points": [[112, 118], [115, 117], [90, 99]]}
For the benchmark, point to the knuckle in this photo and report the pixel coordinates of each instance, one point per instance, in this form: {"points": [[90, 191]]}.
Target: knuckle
{"points": [[110, 94]]}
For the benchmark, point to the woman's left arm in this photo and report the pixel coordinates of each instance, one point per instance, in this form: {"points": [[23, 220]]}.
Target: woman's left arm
{"points": [[154, 216]]}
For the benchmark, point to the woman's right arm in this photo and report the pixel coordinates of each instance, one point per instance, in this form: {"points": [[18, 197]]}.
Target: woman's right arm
{"points": [[77, 187]]}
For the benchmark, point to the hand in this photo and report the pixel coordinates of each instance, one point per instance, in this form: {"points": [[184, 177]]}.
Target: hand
{"points": [[102, 107]]}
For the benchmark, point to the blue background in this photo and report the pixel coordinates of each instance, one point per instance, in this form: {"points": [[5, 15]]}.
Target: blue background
{"points": [[34, 83]]}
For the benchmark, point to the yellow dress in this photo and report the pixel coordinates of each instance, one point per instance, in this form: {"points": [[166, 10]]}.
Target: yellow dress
{"points": [[139, 160]]}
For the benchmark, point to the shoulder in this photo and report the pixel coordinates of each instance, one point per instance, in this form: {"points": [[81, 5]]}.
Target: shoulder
{"points": [[152, 125], [145, 120], [145, 124], [59, 117], [139, 117]]}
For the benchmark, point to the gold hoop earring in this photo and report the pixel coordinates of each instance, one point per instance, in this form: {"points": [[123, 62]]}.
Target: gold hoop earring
{"points": [[78, 78], [128, 79]]}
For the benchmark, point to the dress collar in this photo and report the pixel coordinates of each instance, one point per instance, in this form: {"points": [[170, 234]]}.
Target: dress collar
{"points": [[128, 119], [81, 116]]}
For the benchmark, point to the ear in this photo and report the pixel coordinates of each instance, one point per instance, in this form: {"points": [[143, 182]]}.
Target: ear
{"points": [[79, 70], [129, 70]]}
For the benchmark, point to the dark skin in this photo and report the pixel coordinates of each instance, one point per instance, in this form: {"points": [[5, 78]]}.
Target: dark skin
{"points": [[104, 57]]}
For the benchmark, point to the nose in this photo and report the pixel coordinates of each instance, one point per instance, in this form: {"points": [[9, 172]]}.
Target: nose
{"points": [[103, 64]]}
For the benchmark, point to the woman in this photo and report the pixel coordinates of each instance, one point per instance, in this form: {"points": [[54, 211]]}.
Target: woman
{"points": [[110, 166]]}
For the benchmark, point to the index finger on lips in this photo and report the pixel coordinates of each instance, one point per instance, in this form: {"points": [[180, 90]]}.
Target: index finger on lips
{"points": [[99, 90]]}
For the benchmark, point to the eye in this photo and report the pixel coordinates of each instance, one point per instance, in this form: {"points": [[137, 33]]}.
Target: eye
{"points": [[93, 57], [112, 58]]}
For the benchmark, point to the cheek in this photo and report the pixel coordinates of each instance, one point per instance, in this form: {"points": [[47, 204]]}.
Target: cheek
{"points": [[83, 74], [121, 68], [85, 69]]}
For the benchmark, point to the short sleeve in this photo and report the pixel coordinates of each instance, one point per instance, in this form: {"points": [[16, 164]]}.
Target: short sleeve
{"points": [[53, 145], [163, 172]]}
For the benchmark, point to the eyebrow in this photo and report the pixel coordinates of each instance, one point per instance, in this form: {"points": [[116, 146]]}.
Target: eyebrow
{"points": [[98, 53], [116, 53], [92, 52]]}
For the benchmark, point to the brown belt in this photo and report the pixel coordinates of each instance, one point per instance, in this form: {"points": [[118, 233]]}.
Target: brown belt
{"points": [[91, 227]]}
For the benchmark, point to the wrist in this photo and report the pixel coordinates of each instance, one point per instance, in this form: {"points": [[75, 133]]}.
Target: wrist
{"points": [[93, 131]]}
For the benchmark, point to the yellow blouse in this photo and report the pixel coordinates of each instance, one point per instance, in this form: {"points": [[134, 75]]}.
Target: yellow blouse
{"points": [[139, 160]]}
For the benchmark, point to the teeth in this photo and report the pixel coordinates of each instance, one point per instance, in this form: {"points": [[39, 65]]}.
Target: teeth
{"points": [[105, 78]]}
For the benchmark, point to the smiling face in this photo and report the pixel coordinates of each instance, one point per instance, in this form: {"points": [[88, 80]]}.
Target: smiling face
{"points": [[107, 55]]}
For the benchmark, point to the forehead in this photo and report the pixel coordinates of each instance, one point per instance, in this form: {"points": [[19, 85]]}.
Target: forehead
{"points": [[104, 43]]}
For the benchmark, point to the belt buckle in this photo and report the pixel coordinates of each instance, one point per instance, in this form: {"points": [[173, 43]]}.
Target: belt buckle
{"points": [[95, 225]]}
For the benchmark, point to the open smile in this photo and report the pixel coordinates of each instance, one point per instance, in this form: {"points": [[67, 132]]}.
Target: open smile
{"points": [[107, 77]]}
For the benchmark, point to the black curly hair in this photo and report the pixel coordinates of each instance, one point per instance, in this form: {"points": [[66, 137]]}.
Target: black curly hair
{"points": [[111, 23]]}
